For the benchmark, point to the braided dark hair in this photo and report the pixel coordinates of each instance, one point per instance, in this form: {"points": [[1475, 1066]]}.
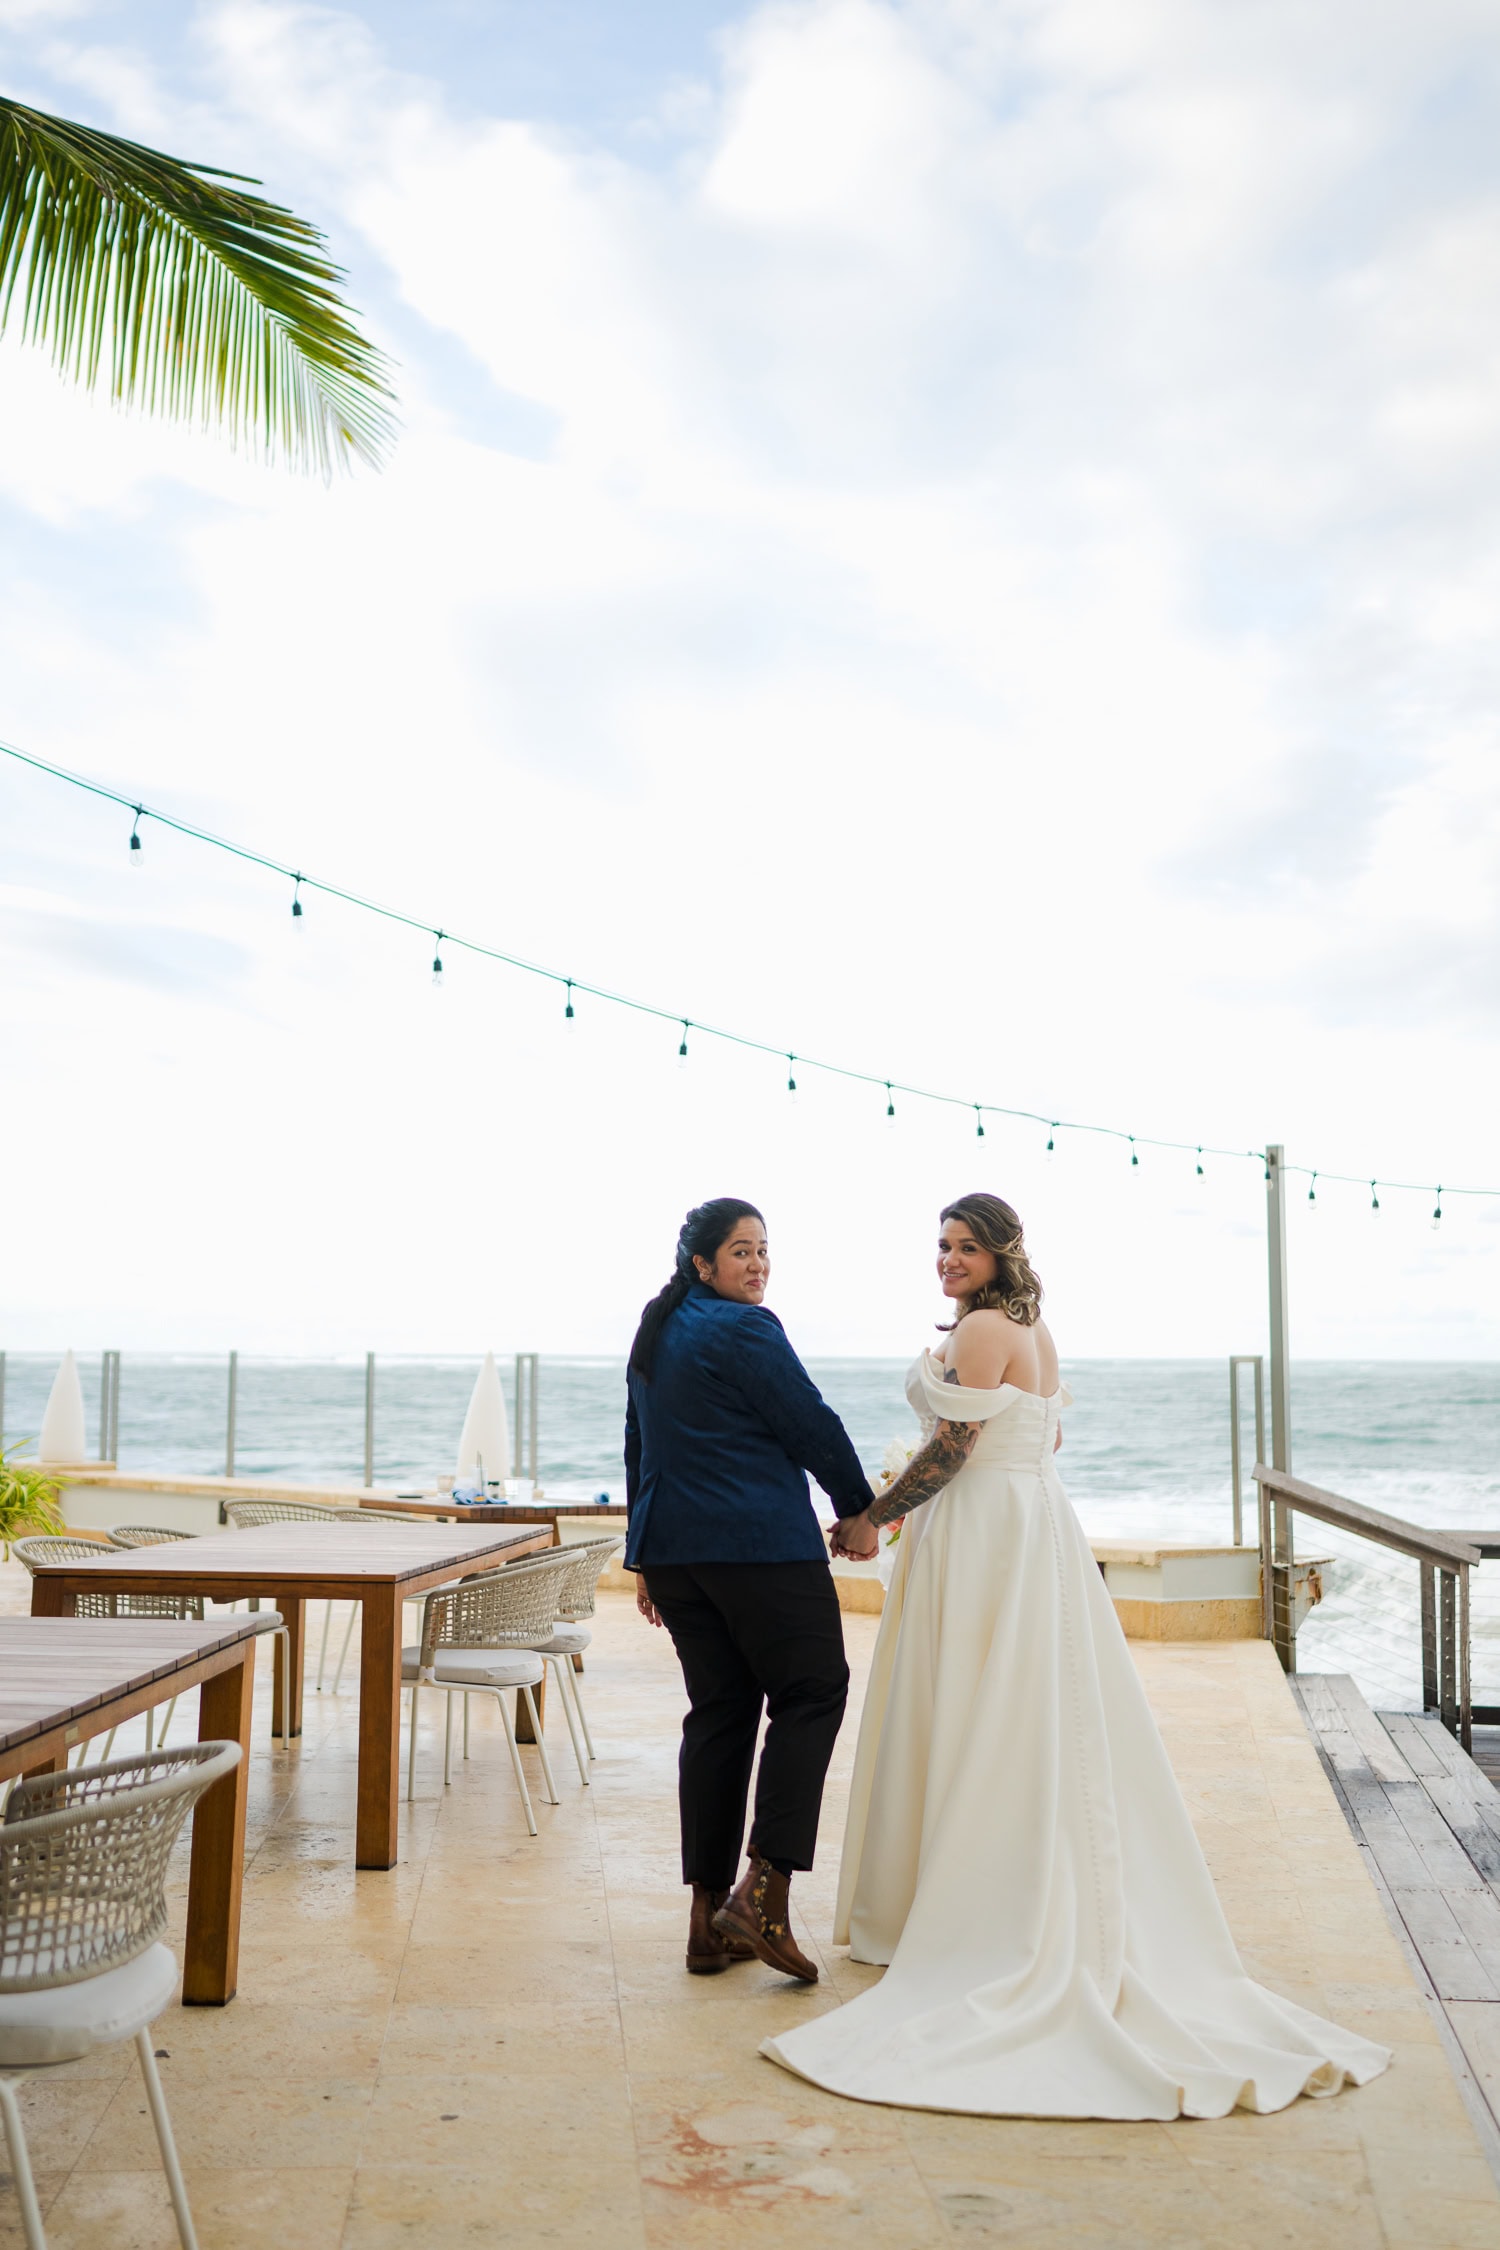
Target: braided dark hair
{"points": [[703, 1235]]}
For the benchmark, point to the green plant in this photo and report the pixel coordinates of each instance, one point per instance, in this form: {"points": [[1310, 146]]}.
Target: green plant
{"points": [[28, 1498], [194, 299]]}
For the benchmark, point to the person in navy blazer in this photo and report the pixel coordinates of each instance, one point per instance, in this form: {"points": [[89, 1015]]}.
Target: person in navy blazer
{"points": [[722, 1427]]}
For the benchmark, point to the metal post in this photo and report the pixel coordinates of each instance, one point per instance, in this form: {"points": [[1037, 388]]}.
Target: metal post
{"points": [[1267, 1581], [369, 1419], [1281, 1396], [2, 1398], [1237, 1360], [1429, 1639], [531, 1449], [1465, 1706], [234, 1391], [1448, 1649], [109, 1406]]}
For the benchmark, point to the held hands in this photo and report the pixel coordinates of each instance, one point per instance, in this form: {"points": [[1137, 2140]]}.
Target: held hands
{"points": [[854, 1537]]}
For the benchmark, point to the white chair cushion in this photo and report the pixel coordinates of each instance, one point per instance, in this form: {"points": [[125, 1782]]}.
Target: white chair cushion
{"points": [[476, 1667], [568, 1640], [69, 2020]]}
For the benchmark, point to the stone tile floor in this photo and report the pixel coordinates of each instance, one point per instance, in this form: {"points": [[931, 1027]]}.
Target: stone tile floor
{"points": [[496, 2044]]}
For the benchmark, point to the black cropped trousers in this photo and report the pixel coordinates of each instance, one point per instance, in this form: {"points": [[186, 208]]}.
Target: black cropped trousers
{"points": [[752, 1636]]}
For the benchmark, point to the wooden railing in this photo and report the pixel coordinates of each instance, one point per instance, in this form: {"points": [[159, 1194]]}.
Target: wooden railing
{"points": [[1443, 1558]]}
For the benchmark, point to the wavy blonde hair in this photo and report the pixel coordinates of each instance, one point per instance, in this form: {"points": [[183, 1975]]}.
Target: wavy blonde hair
{"points": [[1016, 1289]]}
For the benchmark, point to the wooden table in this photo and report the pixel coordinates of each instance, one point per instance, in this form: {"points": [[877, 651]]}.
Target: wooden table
{"points": [[379, 1565], [64, 1680], [502, 1511]]}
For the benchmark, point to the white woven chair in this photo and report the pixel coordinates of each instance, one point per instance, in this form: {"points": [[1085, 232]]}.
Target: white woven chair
{"points": [[144, 1535], [83, 1861], [476, 1640], [354, 1517], [54, 1547], [248, 1515], [578, 1587]]}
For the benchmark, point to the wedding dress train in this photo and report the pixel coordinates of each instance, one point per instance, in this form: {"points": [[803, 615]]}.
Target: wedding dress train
{"points": [[1018, 1850]]}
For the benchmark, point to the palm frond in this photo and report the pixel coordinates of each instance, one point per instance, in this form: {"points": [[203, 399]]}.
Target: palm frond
{"points": [[188, 296]]}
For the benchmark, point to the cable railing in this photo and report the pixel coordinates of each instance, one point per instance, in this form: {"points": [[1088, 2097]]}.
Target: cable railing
{"points": [[1444, 1560]]}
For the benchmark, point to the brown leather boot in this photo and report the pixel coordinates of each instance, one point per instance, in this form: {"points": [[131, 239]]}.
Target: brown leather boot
{"points": [[756, 1913], [707, 1951]]}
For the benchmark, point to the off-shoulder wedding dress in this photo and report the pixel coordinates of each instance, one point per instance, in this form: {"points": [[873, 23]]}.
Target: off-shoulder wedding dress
{"points": [[1017, 1847]]}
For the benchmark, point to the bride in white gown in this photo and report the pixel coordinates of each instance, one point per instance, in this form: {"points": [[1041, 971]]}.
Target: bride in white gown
{"points": [[1017, 1849]]}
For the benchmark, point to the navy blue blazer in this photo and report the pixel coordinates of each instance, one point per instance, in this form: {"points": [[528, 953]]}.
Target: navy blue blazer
{"points": [[718, 1443]]}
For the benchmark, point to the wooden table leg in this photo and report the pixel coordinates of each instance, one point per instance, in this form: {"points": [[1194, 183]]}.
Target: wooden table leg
{"points": [[211, 1953], [293, 1617], [49, 1599], [379, 1727]]}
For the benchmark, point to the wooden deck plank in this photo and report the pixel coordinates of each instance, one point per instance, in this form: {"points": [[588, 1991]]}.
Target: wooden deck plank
{"points": [[1421, 1810], [1414, 1741], [1477, 2029], [1448, 1864], [1457, 1969], [1385, 1757]]}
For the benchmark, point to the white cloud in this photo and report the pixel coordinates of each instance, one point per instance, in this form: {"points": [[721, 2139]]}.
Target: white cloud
{"points": [[1006, 596]]}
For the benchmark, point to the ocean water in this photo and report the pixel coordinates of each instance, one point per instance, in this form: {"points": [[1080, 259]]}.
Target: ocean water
{"points": [[1145, 1453]]}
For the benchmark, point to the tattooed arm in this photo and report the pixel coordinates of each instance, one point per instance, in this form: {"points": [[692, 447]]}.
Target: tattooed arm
{"points": [[929, 1470], [925, 1475]]}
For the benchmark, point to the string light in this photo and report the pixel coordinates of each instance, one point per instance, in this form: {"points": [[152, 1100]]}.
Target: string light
{"points": [[437, 959], [978, 1122], [1312, 1189], [682, 1049], [1054, 1126]]}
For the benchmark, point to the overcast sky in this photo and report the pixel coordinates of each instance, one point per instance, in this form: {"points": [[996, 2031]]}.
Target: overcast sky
{"points": [[958, 537]]}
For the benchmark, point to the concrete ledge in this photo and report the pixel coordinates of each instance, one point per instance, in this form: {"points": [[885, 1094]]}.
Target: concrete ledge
{"points": [[96, 1497], [1160, 1593]]}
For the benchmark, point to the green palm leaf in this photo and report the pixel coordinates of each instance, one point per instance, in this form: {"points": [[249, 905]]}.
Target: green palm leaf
{"points": [[191, 298]]}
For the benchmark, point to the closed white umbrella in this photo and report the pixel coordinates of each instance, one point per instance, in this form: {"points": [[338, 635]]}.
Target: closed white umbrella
{"points": [[486, 1435], [62, 1437]]}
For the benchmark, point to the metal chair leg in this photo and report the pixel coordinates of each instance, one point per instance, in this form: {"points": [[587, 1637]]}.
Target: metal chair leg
{"points": [[411, 1752], [448, 1743], [583, 1717], [466, 1722], [166, 1722], [541, 1749], [557, 1664], [515, 1760], [344, 1651], [170, 2165], [323, 1644], [20, 2165]]}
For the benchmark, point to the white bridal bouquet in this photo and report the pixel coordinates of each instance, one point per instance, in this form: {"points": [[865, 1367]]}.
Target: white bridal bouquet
{"points": [[895, 1458]]}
